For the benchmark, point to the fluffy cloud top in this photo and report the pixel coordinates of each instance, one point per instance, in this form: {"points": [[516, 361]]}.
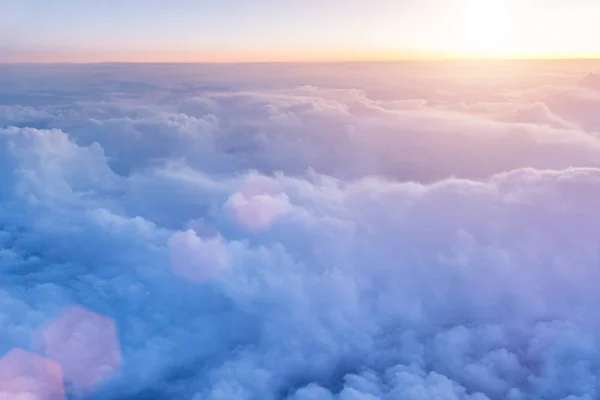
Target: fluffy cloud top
{"points": [[299, 232]]}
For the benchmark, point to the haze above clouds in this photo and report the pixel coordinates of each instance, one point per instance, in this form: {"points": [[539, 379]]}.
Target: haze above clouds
{"points": [[305, 232], [308, 30]]}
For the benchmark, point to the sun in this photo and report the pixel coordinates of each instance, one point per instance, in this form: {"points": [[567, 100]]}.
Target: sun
{"points": [[485, 29]]}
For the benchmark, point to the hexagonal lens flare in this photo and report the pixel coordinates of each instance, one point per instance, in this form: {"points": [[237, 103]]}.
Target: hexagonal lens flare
{"points": [[86, 346], [26, 376]]}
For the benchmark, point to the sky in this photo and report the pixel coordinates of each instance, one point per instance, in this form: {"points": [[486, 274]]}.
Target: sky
{"points": [[309, 30]]}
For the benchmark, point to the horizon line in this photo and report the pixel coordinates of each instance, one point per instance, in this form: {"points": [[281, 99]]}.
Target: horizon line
{"points": [[316, 61]]}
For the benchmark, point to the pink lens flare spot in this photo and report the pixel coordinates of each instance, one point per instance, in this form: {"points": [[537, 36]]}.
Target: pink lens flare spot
{"points": [[86, 346], [258, 204], [26, 376]]}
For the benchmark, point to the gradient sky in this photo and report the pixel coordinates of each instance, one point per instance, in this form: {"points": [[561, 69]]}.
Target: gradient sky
{"points": [[301, 30]]}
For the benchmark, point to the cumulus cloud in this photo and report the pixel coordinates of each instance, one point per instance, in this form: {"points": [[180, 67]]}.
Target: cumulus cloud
{"points": [[302, 234], [197, 259]]}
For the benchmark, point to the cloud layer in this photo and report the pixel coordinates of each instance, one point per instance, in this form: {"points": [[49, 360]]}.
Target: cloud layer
{"points": [[300, 232]]}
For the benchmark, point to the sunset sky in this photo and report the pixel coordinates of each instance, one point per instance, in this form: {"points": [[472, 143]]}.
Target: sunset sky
{"points": [[308, 30]]}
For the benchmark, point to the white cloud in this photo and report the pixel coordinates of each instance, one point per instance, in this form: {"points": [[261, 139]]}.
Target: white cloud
{"points": [[197, 259], [274, 242]]}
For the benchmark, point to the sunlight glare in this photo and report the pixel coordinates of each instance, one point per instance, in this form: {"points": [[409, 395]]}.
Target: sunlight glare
{"points": [[485, 29]]}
